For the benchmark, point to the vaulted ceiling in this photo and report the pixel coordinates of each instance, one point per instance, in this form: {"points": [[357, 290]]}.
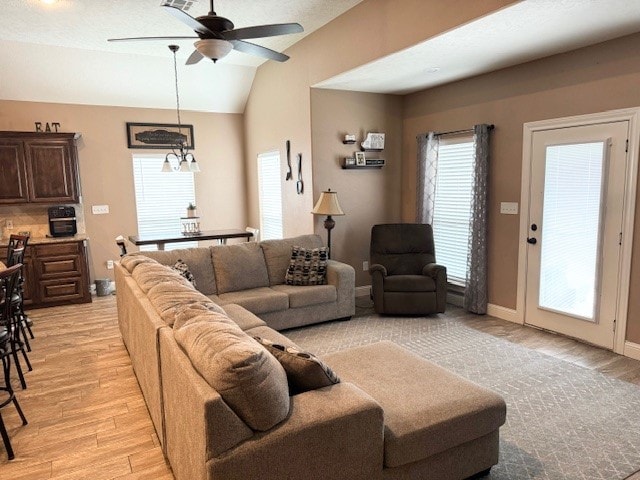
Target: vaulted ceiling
{"points": [[59, 52]]}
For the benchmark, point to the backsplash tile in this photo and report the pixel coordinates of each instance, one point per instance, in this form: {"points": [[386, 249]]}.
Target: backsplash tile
{"points": [[33, 219]]}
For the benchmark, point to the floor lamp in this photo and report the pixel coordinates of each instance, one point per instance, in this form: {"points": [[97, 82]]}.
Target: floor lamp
{"points": [[328, 205]]}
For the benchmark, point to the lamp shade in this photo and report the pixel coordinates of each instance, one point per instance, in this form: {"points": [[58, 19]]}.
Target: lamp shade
{"points": [[328, 204]]}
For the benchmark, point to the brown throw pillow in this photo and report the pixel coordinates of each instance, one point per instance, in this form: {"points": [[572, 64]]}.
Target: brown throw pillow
{"points": [[304, 370], [308, 266]]}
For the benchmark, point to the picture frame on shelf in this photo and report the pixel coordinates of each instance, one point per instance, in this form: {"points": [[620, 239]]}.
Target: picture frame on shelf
{"points": [[360, 159], [349, 161]]}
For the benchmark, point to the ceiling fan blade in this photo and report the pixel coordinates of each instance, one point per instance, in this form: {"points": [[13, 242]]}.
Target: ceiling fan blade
{"points": [[262, 31], [259, 51], [195, 57], [132, 39], [188, 20]]}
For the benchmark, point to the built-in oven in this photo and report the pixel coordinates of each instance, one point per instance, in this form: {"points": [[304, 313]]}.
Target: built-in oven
{"points": [[62, 221]]}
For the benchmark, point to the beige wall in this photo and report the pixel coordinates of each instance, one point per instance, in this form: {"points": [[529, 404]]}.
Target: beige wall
{"points": [[106, 174], [279, 105], [594, 79], [366, 196]]}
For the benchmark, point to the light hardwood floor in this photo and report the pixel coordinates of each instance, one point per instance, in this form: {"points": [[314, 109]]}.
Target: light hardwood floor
{"points": [[87, 417]]}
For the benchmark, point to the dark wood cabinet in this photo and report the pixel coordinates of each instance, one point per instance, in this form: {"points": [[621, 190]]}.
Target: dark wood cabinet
{"points": [[38, 168], [56, 274]]}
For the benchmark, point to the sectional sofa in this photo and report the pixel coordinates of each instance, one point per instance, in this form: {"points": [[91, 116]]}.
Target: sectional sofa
{"points": [[224, 407]]}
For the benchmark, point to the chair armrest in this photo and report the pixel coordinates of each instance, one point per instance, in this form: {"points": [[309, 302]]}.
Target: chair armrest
{"points": [[343, 277], [378, 273], [376, 267], [334, 432], [439, 275], [433, 270]]}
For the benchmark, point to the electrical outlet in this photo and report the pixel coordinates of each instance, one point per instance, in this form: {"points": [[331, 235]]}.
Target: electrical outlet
{"points": [[509, 208], [8, 224], [109, 264], [99, 209], [365, 266]]}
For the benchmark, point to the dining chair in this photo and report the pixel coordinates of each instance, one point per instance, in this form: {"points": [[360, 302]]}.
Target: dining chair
{"points": [[8, 280]]}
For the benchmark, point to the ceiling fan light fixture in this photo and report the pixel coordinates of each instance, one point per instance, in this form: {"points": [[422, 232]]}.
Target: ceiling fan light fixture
{"points": [[214, 48]]}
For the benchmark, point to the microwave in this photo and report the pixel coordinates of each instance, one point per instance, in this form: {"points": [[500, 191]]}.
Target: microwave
{"points": [[62, 221]]}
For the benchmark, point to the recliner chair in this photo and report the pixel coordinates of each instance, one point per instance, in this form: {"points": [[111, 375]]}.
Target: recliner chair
{"points": [[405, 279]]}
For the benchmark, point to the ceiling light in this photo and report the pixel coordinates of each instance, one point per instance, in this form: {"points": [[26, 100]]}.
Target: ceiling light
{"points": [[432, 70], [214, 48], [179, 151], [49, 2]]}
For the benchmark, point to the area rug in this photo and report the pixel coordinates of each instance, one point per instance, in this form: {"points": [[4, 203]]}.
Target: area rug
{"points": [[564, 421]]}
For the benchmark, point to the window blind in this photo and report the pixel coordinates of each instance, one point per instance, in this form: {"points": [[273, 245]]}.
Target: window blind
{"points": [[161, 198], [270, 195], [452, 207]]}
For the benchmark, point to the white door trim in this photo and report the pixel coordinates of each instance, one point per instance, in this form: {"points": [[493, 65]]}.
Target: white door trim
{"points": [[632, 115]]}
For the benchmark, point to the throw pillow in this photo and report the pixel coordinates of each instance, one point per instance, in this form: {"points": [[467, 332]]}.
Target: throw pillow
{"points": [[308, 266], [304, 370], [183, 269]]}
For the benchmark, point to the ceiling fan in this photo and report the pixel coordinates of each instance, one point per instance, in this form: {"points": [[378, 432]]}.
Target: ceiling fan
{"points": [[217, 36]]}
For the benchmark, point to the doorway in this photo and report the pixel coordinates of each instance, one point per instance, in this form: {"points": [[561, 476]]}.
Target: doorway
{"points": [[580, 193]]}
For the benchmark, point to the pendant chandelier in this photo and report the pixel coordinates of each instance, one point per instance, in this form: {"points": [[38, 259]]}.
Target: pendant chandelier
{"points": [[179, 150]]}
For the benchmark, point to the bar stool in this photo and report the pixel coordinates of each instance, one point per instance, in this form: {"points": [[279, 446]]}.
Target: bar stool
{"points": [[18, 243], [11, 317], [8, 281]]}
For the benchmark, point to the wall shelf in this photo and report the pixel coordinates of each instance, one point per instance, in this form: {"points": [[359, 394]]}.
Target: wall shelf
{"points": [[361, 167]]}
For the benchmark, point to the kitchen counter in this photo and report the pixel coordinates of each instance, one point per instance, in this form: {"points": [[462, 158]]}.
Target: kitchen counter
{"points": [[46, 240]]}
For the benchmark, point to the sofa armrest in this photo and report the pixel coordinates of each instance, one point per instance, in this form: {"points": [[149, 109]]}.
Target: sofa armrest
{"points": [[334, 432], [343, 277], [439, 274]]}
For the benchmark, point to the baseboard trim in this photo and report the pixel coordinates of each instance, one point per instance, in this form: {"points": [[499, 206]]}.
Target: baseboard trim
{"points": [[632, 350], [363, 291], [504, 313]]}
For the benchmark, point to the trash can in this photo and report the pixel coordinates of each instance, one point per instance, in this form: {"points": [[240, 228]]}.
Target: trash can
{"points": [[103, 287]]}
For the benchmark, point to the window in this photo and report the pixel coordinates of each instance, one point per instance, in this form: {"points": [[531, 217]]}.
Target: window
{"points": [[161, 198], [452, 206], [270, 195]]}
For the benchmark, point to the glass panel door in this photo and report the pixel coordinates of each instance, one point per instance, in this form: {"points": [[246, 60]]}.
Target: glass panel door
{"points": [[570, 240]]}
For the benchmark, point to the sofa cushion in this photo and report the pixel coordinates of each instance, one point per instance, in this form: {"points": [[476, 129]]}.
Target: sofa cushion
{"points": [[304, 370], [243, 317], [308, 266], [170, 297], [304, 296], [277, 254], [250, 380], [148, 275], [198, 260], [427, 409], [130, 261], [409, 283], [196, 312], [257, 300], [239, 267]]}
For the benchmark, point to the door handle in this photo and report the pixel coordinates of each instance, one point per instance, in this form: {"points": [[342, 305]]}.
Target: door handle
{"points": [[532, 241]]}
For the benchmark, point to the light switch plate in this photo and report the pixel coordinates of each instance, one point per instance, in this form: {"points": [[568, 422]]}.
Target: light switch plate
{"points": [[99, 209], [509, 208]]}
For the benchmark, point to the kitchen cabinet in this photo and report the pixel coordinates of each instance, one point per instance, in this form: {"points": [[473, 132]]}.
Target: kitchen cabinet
{"points": [[55, 273], [38, 168]]}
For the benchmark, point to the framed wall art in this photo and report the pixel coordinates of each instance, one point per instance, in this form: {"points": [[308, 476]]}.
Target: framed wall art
{"points": [[158, 135]]}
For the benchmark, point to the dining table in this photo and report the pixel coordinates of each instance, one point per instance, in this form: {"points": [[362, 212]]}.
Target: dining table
{"points": [[160, 239]]}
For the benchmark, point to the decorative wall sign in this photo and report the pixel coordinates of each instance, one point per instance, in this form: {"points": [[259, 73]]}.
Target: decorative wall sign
{"points": [[158, 135], [48, 127]]}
